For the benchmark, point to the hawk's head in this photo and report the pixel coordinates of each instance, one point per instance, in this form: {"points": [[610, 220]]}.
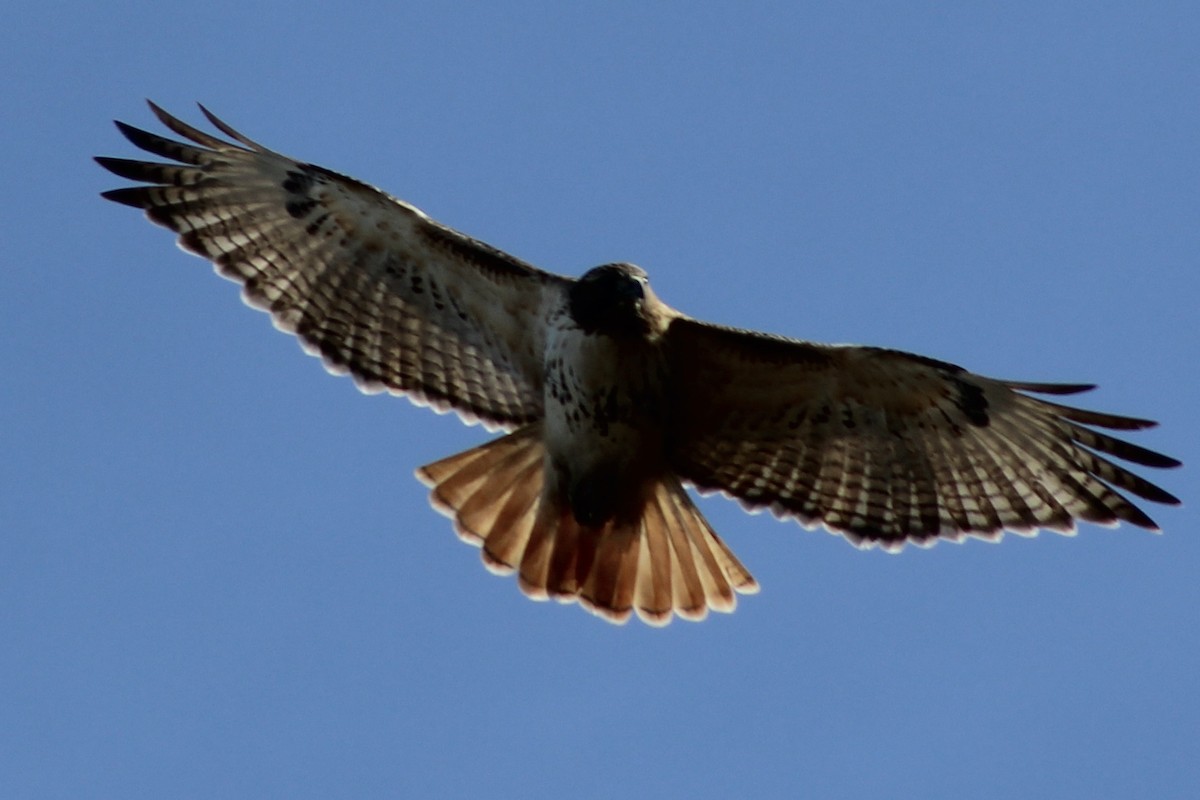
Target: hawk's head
{"points": [[614, 299]]}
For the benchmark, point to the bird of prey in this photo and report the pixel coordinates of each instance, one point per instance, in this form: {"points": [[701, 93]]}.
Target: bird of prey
{"points": [[613, 402]]}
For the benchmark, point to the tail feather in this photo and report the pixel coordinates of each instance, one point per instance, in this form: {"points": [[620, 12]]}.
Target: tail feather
{"points": [[687, 588], [715, 588], [533, 577], [572, 559], [656, 570], [610, 587], [469, 486], [513, 525], [668, 562]]}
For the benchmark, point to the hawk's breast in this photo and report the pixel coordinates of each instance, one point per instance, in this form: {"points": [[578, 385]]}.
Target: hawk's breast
{"points": [[603, 425]]}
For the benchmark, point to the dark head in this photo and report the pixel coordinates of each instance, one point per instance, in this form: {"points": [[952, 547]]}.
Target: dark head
{"points": [[612, 299]]}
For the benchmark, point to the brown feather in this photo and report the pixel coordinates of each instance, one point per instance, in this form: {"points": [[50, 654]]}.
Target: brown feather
{"points": [[368, 283], [666, 562], [888, 447]]}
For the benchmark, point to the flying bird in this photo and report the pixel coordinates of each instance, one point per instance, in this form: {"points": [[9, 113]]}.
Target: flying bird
{"points": [[613, 402]]}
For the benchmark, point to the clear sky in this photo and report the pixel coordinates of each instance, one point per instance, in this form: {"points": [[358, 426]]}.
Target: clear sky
{"points": [[218, 577]]}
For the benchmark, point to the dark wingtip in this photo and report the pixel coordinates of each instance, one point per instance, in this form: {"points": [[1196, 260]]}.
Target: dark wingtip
{"points": [[108, 163], [156, 109], [1135, 516], [1147, 457], [128, 131], [227, 129], [1168, 499], [1051, 388], [124, 167], [132, 196]]}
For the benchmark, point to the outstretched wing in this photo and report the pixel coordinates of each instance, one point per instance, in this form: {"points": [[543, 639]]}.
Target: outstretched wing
{"points": [[887, 447], [366, 281]]}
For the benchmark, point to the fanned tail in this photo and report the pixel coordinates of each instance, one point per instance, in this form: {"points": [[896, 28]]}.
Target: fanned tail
{"points": [[667, 562]]}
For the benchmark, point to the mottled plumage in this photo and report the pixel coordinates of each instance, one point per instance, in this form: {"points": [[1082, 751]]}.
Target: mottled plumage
{"points": [[614, 401]]}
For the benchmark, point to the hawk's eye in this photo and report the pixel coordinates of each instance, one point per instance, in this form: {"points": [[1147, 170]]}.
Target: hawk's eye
{"points": [[631, 288]]}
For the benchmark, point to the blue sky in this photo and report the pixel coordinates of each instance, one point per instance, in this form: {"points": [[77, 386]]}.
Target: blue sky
{"points": [[218, 577]]}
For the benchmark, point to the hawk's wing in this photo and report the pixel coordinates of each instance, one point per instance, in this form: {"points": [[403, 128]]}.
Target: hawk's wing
{"points": [[371, 284], [888, 447]]}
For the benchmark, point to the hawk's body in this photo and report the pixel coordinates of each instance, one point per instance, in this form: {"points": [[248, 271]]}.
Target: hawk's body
{"points": [[613, 400]]}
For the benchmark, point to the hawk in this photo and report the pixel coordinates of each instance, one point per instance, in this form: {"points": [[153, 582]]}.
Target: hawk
{"points": [[613, 402]]}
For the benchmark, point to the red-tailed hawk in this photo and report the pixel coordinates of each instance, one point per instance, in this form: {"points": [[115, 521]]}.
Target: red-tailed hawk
{"points": [[614, 401]]}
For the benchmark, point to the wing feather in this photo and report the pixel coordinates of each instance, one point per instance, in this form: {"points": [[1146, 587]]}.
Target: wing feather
{"points": [[888, 447], [369, 283]]}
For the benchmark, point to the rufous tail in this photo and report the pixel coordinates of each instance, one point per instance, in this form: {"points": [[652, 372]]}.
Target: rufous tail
{"points": [[667, 562]]}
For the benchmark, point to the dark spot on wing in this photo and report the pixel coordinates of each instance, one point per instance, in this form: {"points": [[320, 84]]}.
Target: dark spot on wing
{"points": [[823, 414], [458, 310], [300, 203], [314, 227], [435, 294], [955, 429], [395, 268], [299, 208], [970, 400], [298, 181]]}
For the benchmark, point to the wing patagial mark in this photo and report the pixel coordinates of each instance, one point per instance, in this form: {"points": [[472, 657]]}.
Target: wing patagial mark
{"points": [[971, 401]]}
